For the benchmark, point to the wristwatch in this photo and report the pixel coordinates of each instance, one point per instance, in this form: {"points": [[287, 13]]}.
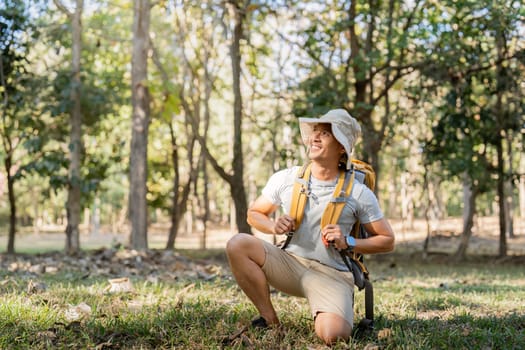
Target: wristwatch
{"points": [[350, 241]]}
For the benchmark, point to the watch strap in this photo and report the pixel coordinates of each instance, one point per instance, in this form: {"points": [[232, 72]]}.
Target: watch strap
{"points": [[350, 241]]}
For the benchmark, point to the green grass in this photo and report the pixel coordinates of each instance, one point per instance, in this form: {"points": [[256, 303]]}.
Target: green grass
{"points": [[418, 305]]}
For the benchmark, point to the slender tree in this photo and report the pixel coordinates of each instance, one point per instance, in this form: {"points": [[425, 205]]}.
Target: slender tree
{"points": [[76, 145], [499, 139], [181, 190], [238, 11], [138, 209], [21, 127], [182, 142]]}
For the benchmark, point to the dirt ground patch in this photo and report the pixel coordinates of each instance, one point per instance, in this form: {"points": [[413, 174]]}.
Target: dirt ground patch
{"points": [[444, 238], [43, 252]]}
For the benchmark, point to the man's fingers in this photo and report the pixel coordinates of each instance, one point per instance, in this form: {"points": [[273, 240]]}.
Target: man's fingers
{"points": [[288, 221], [284, 224]]}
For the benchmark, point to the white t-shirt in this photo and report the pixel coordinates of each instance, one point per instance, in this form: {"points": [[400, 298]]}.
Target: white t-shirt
{"points": [[306, 241]]}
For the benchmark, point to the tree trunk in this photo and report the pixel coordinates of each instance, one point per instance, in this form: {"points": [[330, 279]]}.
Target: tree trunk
{"points": [[208, 89], [76, 144], [138, 208], [501, 200], [469, 200], [176, 210], [237, 181], [407, 210], [428, 206], [206, 200], [521, 186], [12, 204], [509, 186], [500, 128], [180, 198]]}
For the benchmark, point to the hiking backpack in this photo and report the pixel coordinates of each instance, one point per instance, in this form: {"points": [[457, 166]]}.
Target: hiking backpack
{"points": [[363, 173]]}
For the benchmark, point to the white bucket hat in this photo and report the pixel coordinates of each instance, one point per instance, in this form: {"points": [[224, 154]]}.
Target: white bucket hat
{"points": [[345, 129]]}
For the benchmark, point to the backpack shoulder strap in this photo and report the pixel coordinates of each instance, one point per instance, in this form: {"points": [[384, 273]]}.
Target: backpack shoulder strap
{"points": [[342, 191], [300, 194], [299, 197]]}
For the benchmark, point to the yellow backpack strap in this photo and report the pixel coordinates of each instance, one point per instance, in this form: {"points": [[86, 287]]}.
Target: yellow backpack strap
{"points": [[342, 191], [300, 194], [299, 197]]}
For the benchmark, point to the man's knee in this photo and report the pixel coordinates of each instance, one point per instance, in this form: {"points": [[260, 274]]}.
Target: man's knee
{"points": [[244, 246], [237, 243], [332, 328], [331, 337]]}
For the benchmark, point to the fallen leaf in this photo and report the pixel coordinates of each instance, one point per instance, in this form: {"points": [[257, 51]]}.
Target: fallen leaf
{"points": [[9, 281], [384, 333], [35, 287], [135, 305], [119, 285], [46, 336], [77, 312]]}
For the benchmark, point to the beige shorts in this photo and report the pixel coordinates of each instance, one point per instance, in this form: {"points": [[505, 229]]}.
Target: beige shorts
{"points": [[325, 288]]}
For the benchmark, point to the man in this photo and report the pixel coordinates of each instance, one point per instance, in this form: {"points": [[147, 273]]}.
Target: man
{"points": [[309, 267]]}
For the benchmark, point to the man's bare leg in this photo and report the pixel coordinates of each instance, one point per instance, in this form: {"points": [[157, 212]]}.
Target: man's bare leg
{"points": [[246, 256], [331, 328]]}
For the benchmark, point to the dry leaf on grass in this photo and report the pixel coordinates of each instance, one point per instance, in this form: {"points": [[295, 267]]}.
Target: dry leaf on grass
{"points": [[119, 285], [8, 281], [35, 287], [77, 312], [466, 330], [114, 262], [135, 305], [46, 336], [384, 334]]}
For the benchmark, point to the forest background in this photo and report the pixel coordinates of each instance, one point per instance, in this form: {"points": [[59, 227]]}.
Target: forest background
{"points": [[118, 115]]}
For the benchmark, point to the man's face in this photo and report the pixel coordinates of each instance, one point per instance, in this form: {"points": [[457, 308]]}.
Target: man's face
{"points": [[323, 145]]}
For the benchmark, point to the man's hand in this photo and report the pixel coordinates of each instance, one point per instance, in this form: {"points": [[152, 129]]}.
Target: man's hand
{"points": [[332, 234], [284, 224]]}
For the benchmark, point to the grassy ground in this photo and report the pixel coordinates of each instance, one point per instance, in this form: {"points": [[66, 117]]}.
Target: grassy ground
{"points": [[418, 305]]}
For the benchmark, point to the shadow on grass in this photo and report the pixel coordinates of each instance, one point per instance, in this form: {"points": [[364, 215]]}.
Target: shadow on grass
{"points": [[189, 325], [200, 324], [456, 332], [203, 324]]}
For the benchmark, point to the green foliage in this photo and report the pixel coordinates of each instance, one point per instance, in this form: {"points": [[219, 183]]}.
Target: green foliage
{"points": [[51, 164], [459, 144], [16, 35], [24, 128], [321, 94], [470, 122], [103, 91], [297, 61]]}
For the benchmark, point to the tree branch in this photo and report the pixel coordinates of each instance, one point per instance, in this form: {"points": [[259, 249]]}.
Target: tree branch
{"points": [[63, 8]]}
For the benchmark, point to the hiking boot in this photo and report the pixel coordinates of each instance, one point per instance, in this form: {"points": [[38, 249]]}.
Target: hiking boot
{"points": [[259, 323]]}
